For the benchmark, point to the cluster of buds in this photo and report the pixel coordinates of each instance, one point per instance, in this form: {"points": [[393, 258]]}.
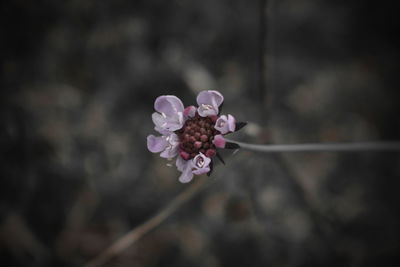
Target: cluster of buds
{"points": [[197, 136], [193, 134]]}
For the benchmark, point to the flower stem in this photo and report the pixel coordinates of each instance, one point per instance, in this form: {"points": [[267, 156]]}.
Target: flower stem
{"points": [[135, 234], [323, 147]]}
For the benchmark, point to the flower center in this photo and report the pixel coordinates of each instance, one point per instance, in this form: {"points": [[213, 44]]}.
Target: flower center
{"points": [[197, 135]]}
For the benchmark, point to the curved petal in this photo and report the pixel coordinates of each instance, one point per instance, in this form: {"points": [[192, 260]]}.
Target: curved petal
{"points": [[169, 105], [206, 97], [162, 131], [231, 123], [207, 160], [156, 144], [176, 122], [201, 171], [207, 110], [167, 123], [225, 124], [180, 164], [187, 174], [222, 124], [159, 120], [208, 102], [169, 152], [173, 139], [201, 164]]}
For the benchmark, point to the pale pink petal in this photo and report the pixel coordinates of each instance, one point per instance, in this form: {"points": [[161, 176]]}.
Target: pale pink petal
{"points": [[159, 120], [201, 171], [222, 124], [187, 174], [173, 139], [208, 102], [168, 104], [225, 124], [180, 164], [201, 164], [171, 150], [205, 110], [167, 123], [205, 97], [231, 123], [162, 131], [156, 144]]}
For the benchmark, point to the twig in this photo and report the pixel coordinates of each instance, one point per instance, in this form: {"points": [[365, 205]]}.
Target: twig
{"points": [[131, 237], [360, 146]]}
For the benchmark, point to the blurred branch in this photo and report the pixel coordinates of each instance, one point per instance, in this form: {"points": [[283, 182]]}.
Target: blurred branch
{"points": [[327, 147], [135, 234]]}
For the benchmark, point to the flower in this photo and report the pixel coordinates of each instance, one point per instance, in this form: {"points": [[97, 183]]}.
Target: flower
{"points": [[191, 134], [209, 101], [166, 144], [198, 165], [225, 124], [170, 114]]}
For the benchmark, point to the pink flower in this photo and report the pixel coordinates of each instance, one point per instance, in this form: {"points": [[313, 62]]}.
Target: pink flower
{"points": [[192, 134]]}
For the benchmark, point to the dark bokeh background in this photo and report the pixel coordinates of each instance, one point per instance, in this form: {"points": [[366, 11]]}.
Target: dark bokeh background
{"points": [[78, 82]]}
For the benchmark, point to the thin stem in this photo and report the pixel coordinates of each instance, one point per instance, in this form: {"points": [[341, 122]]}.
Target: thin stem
{"points": [[327, 147], [135, 234]]}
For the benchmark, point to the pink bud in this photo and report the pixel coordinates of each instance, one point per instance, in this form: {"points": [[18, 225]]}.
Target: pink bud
{"points": [[210, 153], [214, 118], [204, 138], [186, 137], [190, 111], [184, 155], [219, 141], [197, 144]]}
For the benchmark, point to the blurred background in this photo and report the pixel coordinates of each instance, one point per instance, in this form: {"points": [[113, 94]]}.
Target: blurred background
{"points": [[78, 83]]}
